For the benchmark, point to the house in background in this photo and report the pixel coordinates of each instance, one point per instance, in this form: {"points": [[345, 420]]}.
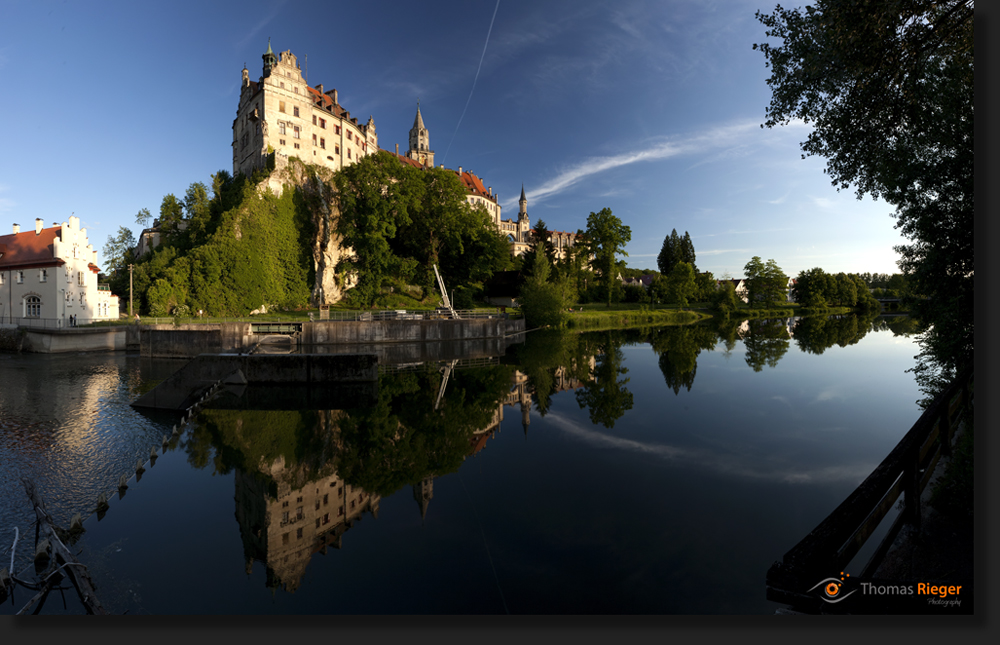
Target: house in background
{"points": [[48, 275]]}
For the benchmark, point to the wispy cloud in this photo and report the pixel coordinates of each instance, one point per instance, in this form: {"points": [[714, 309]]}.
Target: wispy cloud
{"points": [[711, 139], [747, 232], [252, 34], [823, 202], [722, 251], [6, 203], [780, 200]]}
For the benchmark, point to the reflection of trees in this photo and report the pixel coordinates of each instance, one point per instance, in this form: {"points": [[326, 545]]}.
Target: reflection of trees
{"points": [[604, 395], [898, 325], [543, 354], [678, 348], [765, 341], [403, 438], [815, 334]]}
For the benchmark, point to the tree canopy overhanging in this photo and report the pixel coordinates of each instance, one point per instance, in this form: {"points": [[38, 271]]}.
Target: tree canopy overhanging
{"points": [[888, 89]]}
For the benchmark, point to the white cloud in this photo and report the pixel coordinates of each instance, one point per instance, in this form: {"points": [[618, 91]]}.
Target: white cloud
{"points": [[709, 140]]}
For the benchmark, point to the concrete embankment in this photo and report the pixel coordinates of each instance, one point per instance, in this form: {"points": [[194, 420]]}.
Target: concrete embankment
{"points": [[187, 385], [170, 341], [83, 339]]}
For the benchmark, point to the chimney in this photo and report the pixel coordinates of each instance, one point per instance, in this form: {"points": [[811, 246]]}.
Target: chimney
{"points": [[17, 228], [335, 101], [38, 225], [320, 88], [490, 190], [397, 149], [459, 170]]}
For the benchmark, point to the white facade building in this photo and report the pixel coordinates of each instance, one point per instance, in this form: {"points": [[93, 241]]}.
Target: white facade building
{"points": [[48, 275]]}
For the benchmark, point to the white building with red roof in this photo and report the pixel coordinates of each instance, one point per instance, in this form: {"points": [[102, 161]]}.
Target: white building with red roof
{"points": [[48, 276]]}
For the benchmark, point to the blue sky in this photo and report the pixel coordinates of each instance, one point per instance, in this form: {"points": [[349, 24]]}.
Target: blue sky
{"points": [[649, 108]]}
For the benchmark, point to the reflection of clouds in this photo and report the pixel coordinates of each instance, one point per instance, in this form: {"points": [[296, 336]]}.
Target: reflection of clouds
{"points": [[767, 467], [778, 397], [828, 395]]}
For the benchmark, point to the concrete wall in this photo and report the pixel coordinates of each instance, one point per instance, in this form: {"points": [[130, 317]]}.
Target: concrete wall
{"points": [[170, 341], [55, 341], [392, 331]]}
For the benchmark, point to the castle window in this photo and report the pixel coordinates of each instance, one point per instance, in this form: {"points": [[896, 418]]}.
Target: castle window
{"points": [[296, 146], [349, 136], [348, 154], [295, 111], [322, 123], [281, 141], [322, 143], [314, 119], [79, 278], [296, 132], [337, 131], [42, 275], [336, 149], [281, 106], [33, 307], [282, 86], [314, 139], [296, 89], [20, 277], [281, 127]]}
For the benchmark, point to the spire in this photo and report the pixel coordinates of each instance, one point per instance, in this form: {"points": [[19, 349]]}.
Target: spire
{"points": [[270, 60], [418, 122], [523, 198]]}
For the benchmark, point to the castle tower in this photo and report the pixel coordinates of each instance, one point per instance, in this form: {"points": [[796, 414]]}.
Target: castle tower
{"points": [[523, 221], [422, 494], [270, 60], [420, 142]]}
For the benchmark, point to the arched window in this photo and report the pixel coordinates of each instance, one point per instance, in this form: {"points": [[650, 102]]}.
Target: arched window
{"points": [[32, 307], [510, 238]]}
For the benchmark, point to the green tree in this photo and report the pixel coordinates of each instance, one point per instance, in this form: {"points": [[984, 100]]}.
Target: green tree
{"points": [[705, 286], [812, 288], [887, 89], [198, 211], [117, 256], [171, 216], [681, 284], [687, 251], [724, 300], [143, 217], [670, 253], [544, 303], [606, 236], [765, 342], [373, 202], [765, 283]]}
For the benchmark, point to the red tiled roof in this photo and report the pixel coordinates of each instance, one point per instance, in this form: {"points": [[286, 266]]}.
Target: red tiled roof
{"points": [[28, 250]]}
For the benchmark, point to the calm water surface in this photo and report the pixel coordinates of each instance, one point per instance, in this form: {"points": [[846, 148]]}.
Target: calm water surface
{"points": [[658, 471]]}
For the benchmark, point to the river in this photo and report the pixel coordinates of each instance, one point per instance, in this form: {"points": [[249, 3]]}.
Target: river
{"points": [[654, 471]]}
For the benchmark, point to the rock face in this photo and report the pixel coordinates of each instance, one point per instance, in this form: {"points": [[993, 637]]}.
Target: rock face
{"points": [[319, 197]]}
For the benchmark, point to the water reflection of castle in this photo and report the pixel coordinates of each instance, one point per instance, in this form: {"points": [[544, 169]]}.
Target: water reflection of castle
{"points": [[284, 528]]}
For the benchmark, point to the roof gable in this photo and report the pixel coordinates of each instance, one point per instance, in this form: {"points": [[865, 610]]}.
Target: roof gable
{"points": [[28, 248]]}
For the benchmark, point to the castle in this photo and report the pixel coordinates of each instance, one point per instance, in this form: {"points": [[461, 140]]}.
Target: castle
{"points": [[282, 115]]}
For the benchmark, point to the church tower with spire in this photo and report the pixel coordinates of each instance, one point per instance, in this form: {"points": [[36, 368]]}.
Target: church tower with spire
{"points": [[420, 142]]}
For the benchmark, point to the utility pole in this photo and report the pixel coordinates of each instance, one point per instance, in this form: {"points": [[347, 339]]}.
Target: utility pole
{"points": [[130, 292]]}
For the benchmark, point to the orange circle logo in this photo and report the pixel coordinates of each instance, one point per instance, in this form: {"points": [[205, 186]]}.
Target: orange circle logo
{"points": [[832, 589]]}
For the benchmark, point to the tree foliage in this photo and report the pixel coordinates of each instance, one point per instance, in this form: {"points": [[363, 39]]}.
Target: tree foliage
{"points": [[606, 237], [765, 283], [887, 88], [681, 284]]}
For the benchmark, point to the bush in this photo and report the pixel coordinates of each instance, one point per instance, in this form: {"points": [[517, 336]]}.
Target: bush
{"points": [[634, 293]]}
